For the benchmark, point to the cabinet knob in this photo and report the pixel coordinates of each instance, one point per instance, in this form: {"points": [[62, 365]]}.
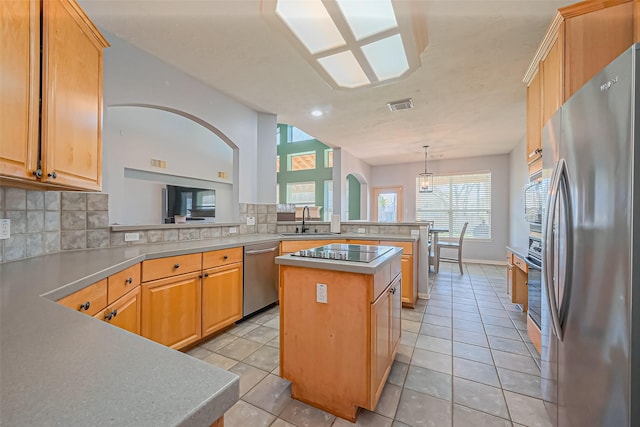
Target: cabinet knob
{"points": [[538, 150], [111, 315], [129, 280], [52, 175], [176, 265], [226, 257], [85, 306], [206, 274], [37, 173]]}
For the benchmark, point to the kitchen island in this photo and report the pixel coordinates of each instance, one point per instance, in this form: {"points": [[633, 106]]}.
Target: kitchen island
{"points": [[340, 324]]}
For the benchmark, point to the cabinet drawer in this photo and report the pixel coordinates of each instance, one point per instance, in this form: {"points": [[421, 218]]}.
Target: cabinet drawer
{"points": [[221, 257], [89, 300], [407, 247], [122, 282], [171, 266], [519, 262]]}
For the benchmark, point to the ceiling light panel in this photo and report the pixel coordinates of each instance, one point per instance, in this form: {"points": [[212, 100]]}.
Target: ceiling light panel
{"points": [[344, 69], [387, 57], [366, 18], [311, 23]]}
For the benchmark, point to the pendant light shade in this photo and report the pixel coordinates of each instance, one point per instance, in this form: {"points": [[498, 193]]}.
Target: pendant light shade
{"points": [[425, 180]]}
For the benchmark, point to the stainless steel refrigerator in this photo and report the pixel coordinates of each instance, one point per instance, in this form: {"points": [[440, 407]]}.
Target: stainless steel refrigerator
{"points": [[591, 241]]}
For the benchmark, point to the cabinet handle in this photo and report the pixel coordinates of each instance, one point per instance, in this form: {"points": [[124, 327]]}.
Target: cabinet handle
{"points": [[176, 265], [129, 281], [84, 306], [392, 290], [538, 150], [53, 175], [111, 315], [37, 173]]}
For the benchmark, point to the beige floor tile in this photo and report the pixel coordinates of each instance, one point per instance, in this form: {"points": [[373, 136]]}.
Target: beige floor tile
{"points": [[527, 410], [273, 323], [219, 341], [478, 396], [508, 345], [365, 419], [220, 361], [470, 337], [434, 319], [515, 362], [265, 357], [242, 414], [404, 353], [432, 360], [239, 349], [261, 334], [509, 331], [472, 352], [272, 394], [199, 352], [279, 422], [304, 415], [467, 417], [417, 409], [249, 376], [427, 381], [436, 331], [475, 371], [411, 326], [398, 373], [466, 315], [468, 325], [440, 345], [411, 314], [242, 328], [275, 342], [519, 382], [388, 402]]}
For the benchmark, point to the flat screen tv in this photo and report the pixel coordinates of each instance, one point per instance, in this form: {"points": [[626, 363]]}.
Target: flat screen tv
{"points": [[196, 204]]}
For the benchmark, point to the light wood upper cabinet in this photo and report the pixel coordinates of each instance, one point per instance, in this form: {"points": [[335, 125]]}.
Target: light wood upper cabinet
{"points": [[171, 310], [534, 118], [19, 86], [552, 78], [64, 65], [221, 297]]}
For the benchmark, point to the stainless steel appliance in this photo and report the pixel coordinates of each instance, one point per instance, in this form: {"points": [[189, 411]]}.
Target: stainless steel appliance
{"points": [[535, 194], [260, 277], [534, 291], [591, 287], [345, 252]]}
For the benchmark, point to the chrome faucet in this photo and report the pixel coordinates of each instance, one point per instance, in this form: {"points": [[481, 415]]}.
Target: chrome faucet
{"points": [[306, 208]]}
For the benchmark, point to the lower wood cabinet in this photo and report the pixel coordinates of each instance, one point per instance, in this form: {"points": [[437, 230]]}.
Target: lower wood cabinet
{"points": [[409, 271], [124, 312], [385, 335], [221, 297], [517, 280], [89, 300], [171, 310]]}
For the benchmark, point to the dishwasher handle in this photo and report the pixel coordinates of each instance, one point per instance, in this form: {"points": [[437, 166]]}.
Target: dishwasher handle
{"points": [[261, 251]]}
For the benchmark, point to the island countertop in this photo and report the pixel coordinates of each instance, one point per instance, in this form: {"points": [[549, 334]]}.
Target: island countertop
{"points": [[338, 265]]}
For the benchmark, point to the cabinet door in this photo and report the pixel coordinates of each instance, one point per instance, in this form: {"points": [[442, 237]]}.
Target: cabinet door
{"points": [[408, 291], [221, 297], [552, 81], [89, 300], [125, 312], [71, 97], [396, 314], [381, 341], [19, 86], [534, 118], [171, 310]]}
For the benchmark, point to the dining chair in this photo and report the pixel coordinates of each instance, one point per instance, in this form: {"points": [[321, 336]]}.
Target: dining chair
{"points": [[452, 245]]}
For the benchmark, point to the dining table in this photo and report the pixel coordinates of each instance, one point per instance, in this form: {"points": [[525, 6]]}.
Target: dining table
{"points": [[433, 259]]}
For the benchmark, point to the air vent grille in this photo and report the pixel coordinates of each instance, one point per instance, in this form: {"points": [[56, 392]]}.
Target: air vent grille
{"points": [[403, 104]]}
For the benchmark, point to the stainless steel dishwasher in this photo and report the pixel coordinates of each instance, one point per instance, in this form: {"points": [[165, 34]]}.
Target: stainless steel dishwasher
{"points": [[260, 277]]}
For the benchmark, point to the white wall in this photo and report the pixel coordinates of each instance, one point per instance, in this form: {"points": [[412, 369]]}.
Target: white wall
{"points": [[267, 152], [132, 76], [518, 178], [350, 164], [405, 175]]}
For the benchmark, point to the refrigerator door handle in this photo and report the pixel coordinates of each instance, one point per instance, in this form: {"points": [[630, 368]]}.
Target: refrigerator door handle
{"points": [[548, 252], [565, 298]]}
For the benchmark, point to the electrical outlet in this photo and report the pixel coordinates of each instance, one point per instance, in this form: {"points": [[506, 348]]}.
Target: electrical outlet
{"points": [[361, 230], [321, 293], [251, 220], [5, 228], [233, 230], [131, 237]]}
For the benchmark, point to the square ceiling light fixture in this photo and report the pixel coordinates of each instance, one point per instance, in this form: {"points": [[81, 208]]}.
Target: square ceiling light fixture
{"points": [[354, 43]]}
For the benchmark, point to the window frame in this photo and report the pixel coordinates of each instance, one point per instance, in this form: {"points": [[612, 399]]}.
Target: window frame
{"points": [[300, 154]]}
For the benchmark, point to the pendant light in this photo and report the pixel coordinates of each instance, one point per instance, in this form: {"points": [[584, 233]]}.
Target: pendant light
{"points": [[425, 180]]}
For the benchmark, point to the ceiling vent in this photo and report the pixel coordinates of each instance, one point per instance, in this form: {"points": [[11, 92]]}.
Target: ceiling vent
{"points": [[403, 104]]}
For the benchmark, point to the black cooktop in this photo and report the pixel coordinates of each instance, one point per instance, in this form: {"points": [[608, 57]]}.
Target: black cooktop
{"points": [[345, 252]]}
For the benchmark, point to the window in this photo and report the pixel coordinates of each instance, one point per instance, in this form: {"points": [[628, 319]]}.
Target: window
{"points": [[328, 200], [277, 164], [455, 200], [301, 161], [301, 193], [296, 135], [328, 158]]}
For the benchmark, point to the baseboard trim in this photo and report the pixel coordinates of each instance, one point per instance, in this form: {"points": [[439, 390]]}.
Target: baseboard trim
{"points": [[483, 261], [423, 296]]}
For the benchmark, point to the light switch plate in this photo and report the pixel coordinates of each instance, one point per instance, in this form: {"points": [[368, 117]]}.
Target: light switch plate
{"points": [[321, 293], [131, 237], [361, 230], [233, 230], [5, 228], [251, 220]]}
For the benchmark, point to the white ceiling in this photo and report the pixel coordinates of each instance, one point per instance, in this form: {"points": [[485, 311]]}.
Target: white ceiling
{"points": [[468, 95]]}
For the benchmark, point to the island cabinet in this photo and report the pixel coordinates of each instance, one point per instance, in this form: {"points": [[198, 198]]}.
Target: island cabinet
{"points": [[125, 312], [51, 57], [409, 271], [340, 331]]}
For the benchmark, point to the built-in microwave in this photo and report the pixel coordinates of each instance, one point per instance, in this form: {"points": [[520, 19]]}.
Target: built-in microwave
{"points": [[535, 196]]}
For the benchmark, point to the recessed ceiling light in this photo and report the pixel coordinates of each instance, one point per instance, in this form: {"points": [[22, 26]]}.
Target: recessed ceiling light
{"points": [[316, 113]]}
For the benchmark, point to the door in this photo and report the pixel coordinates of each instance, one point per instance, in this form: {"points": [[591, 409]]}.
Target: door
{"points": [[221, 297], [19, 85], [171, 310], [124, 313], [387, 204]]}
